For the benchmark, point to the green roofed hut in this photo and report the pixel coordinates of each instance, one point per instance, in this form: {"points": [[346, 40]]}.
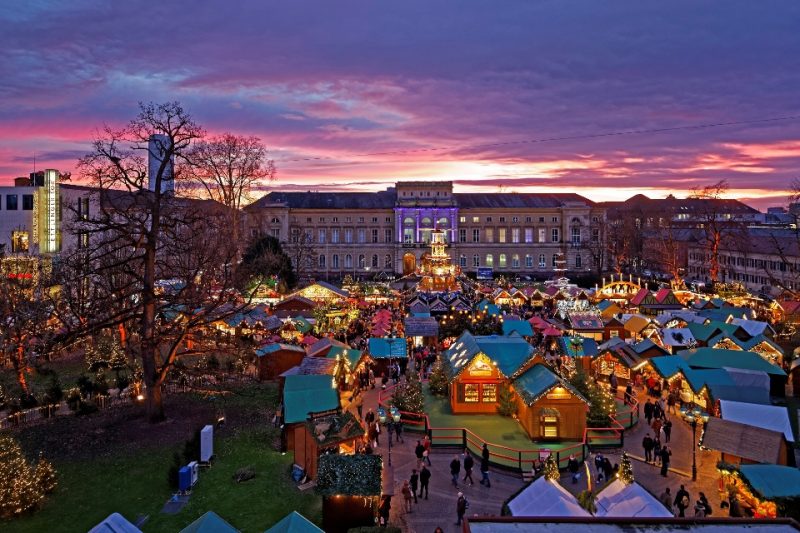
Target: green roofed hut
{"points": [[304, 397], [765, 490], [294, 522], [350, 486], [478, 365], [711, 358], [384, 351], [521, 327], [335, 433], [210, 522], [276, 358]]}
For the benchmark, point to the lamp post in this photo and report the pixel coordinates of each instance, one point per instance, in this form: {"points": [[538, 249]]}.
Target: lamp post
{"points": [[694, 449]]}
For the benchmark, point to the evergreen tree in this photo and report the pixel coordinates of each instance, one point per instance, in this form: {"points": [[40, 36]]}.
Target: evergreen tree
{"points": [[586, 500], [551, 472], [506, 403], [601, 405], [408, 395], [20, 491], [437, 380], [45, 475], [626, 469]]}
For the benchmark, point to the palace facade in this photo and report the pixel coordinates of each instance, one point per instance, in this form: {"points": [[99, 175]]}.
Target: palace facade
{"points": [[333, 234]]}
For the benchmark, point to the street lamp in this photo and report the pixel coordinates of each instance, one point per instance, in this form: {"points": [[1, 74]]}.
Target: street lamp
{"points": [[694, 449]]}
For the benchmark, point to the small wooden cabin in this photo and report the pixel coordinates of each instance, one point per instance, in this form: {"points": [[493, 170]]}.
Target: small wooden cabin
{"points": [[305, 396], [276, 358], [549, 408], [744, 444], [337, 433], [293, 306]]}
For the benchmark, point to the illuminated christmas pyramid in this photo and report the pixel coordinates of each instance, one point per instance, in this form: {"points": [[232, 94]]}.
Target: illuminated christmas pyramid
{"points": [[437, 271]]}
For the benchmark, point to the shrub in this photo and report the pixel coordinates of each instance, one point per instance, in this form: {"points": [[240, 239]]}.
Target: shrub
{"points": [[174, 468], [244, 474], [86, 407], [54, 392]]}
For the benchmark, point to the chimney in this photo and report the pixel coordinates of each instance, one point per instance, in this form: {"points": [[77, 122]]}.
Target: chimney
{"points": [[156, 151]]}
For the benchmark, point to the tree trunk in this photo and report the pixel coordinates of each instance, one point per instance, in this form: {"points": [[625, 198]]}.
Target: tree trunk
{"points": [[155, 406], [21, 367]]}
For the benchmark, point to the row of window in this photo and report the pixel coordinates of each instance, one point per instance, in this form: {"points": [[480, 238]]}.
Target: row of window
{"points": [[516, 235], [751, 262], [361, 220], [442, 221], [337, 235], [347, 262], [12, 202], [502, 261]]}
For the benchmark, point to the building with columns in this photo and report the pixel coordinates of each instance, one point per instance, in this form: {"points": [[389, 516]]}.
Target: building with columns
{"points": [[364, 233]]}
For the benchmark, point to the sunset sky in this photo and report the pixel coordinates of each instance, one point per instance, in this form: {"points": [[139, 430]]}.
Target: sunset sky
{"points": [[356, 95]]}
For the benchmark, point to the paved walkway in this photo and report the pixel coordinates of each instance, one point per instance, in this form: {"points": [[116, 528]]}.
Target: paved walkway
{"points": [[440, 508]]}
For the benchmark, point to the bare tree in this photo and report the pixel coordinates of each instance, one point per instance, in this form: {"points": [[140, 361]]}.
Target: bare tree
{"points": [[153, 261], [301, 250], [665, 246], [227, 168], [718, 227]]}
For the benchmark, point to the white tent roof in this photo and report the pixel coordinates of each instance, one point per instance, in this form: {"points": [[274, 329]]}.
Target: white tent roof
{"points": [[753, 327], [769, 417], [545, 498], [115, 523], [677, 336], [629, 501]]}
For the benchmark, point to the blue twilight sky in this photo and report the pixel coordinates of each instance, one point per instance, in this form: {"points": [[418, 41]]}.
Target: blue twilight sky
{"points": [[337, 80]]}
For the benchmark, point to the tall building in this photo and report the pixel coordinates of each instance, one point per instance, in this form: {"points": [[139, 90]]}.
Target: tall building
{"points": [[360, 233]]}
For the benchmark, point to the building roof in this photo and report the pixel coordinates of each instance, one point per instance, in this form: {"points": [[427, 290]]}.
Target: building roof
{"points": [[384, 348], [702, 332], [294, 522], [772, 481], [668, 365], [316, 366], [711, 358], [517, 200], [771, 417], [304, 394], [278, 347], [647, 344], [577, 346], [545, 498], [523, 327], [539, 379], [677, 337], [210, 522], [636, 323], [742, 440], [618, 499], [351, 355], [421, 326], [509, 354]]}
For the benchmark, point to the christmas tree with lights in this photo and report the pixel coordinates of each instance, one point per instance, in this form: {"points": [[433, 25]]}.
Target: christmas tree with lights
{"points": [[551, 472], [22, 488], [626, 469]]}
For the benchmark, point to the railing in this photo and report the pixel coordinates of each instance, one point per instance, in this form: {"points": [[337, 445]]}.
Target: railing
{"points": [[514, 458]]}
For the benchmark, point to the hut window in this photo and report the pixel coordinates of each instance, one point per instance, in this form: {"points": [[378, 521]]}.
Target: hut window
{"points": [[489, 392], [548, 423], [471, 392]]}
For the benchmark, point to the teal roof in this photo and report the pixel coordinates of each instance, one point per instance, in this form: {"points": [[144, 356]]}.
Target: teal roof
{"points": [[725, 312], [702, 332], [302, 325], [711, 358], [304, 394], [722, 386], [383, 348], [644, 345], [603, 304], [507, 353], [209, 523], [758, 339], [483, 305], [772, 481], [669, 365], [294, 522], [276, 347], [523, 327], [352, 355], [581, 347], [537, 380], [422, 315]]}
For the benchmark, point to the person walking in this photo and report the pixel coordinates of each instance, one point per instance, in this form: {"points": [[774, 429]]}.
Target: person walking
{"points": [[706, 506], [414, 483], [667, 430], [406, 491], [485, 452], [572, 466], [647, 444], [648, 411], [682, 501], [666, 499], [461, 507], [656, 425], [614, 384], [398, 430], [665, 454], [419, 451], [390, 430], [455, 469], [657, 452], [377, 426], [469, 463], [369, 418], [485, 472], [424, 479], [426, 443]]}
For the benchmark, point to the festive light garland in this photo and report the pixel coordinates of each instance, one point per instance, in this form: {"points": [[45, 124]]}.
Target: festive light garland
{"points": [[22, 487]]}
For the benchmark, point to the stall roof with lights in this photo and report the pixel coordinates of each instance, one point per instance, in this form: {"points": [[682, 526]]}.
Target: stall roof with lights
{"points": [[385, 348], [509, 354], [714, 358], [742, 440], [523, 327], [772, 417], [538, 380], [772, 481]]}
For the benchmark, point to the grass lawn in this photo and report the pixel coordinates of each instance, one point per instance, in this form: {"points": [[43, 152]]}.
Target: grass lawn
{"points": [[89, 491]]}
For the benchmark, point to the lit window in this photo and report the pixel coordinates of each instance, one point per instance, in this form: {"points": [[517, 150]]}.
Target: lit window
{"points": [[19, 241]]}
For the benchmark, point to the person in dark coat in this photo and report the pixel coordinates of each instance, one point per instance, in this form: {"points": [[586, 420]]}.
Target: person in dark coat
{"points": [[469, 463], [667, 427], [413, 481], [461, 507], [648, 411], [485, 473], [383, 510], [424, 479], [647, 444], [419, 451], [682, 501], [665, 458], [398, 430], [485, 452], [455, 469]]}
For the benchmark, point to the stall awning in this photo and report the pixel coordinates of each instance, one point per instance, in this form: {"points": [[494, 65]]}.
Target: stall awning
{"points": [[421, 326]]}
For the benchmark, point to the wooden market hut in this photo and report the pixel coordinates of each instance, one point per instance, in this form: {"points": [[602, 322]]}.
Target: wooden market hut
{"points": [[294, 305], [384, 351], [616, 358], [276, 358], [478, 365], [422, 330], [330, 433], [647, 349], [305, 396], [613, 327], [711, 358], [322, 291], [587, 324], [522, 328], [764, 490], [549, 408], [349, 362], [351, 487], [744, 444]]}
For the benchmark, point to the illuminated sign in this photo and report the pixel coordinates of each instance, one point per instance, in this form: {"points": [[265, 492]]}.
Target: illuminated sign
{"points": [[559, 393], [50, 241], [480, 367]]}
